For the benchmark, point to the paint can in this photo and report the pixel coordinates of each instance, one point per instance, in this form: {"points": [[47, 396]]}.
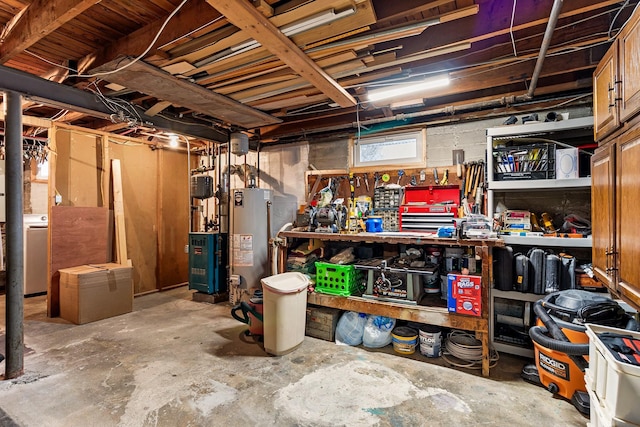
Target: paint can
{"points": [[430, 341], [404, 340]]}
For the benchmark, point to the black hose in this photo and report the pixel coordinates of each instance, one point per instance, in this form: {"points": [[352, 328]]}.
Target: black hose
{"points": [[556, 332], [539, 335]]}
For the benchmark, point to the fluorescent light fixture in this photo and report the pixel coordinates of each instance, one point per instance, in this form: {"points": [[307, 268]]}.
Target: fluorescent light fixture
{"points": [[288, 30], [173, 140], [400, 90]]}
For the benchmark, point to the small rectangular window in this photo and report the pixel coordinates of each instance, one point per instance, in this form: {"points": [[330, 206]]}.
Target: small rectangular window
{"points": [[404, 149], [39, 171]]}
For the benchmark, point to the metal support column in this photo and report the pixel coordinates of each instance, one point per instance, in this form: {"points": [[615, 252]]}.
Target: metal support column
{"points": [[15, 244]]}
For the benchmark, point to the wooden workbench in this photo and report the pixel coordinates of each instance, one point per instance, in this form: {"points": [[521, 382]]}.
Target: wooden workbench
{"points": [[422, 314]]}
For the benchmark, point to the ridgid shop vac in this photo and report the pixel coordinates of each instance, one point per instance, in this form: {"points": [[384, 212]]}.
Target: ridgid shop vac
{"points": [[561, 344]]}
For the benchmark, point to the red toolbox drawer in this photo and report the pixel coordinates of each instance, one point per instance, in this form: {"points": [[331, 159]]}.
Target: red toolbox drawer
{"points": [[431, 195]]}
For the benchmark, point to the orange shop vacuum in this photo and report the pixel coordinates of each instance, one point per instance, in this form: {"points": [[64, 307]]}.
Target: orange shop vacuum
{"points": [[561, 344]]}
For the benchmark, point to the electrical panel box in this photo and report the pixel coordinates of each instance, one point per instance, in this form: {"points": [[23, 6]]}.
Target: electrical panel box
{"points": [[207, 262]]}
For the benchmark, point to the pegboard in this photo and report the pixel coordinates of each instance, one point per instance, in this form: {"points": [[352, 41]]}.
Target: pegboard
{"points": [[360, 179]]}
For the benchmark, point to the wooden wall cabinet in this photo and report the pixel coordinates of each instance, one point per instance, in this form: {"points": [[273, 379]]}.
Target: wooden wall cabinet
{"points": [[603, 212], [616, 82], [615, 168]]}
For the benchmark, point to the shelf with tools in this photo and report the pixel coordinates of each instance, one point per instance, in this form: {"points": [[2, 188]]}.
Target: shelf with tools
{"points": [[539, 194]]}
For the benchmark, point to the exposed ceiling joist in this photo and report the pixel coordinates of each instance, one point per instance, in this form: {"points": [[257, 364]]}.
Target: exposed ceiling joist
{"points": [[245, 16], [41, 18]]}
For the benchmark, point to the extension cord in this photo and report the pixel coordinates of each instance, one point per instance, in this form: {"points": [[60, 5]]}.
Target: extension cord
{"points": [[465, 347]]}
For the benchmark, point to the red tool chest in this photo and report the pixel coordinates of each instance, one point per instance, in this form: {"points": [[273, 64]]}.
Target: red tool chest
{"points": [[425, 208]]}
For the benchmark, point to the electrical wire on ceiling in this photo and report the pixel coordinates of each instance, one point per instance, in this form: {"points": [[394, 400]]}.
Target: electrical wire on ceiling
{"points": [[513, 41], [47, 61], [118, 106], [613, 21]]}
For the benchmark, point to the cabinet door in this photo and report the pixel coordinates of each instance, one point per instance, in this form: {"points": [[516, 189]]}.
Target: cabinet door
{"points": [[628, 217], [629, 68], [605, 114], [602, 213]]}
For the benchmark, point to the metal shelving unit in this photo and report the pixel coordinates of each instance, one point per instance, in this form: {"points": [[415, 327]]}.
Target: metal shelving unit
{"points": [[541, 131]]}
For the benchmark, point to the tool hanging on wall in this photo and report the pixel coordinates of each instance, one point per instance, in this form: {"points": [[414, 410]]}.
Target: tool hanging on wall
{"points": [[423, 176], [435, 176], [413, 181], [400, 175], [445, 177], [366, 181], [376, 178]]}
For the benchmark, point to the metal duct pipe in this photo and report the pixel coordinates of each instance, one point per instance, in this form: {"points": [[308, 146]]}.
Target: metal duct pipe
{"points": [[15, 244], [546, 41]]}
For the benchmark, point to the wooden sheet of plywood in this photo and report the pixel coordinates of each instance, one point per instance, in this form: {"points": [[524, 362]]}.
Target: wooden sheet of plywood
{"points": [[79, 235], [139, 167], [153, 81], [173, 218]]}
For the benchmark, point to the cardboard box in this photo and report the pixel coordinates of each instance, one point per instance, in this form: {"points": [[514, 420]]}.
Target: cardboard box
{"points": [[512, 218], [567, 163], [94, 292], [322, 322], [464, 294]]}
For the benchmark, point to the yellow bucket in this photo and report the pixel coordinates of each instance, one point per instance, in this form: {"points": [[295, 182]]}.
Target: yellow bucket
{"points": [[404, 339]]}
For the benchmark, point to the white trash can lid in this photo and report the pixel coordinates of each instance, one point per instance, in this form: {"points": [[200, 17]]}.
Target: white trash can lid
{"points": [[286, 283]]}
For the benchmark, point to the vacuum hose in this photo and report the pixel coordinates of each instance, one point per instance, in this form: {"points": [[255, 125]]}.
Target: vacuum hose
{"points": [[559, 340]]}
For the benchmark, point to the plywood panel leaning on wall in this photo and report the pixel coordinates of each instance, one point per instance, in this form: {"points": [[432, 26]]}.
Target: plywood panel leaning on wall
{"points": [[79, 235], [173, 218], [139, 168]]}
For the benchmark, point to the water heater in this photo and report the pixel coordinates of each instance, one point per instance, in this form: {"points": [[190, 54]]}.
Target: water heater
{"points": [[249, 236]]}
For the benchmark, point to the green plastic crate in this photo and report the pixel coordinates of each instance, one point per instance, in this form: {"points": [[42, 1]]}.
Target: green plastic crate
{"points": [[335, 279]]}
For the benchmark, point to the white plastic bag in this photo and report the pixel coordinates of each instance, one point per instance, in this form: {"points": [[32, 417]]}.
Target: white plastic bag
{"points": [[350, 328], [377, 331]]}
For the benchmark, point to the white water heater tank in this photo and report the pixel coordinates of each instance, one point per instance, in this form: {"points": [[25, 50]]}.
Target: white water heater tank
{"points": [[239, 143]]}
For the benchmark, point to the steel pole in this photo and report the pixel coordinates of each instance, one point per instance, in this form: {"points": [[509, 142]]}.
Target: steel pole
{"points": [[15, 244]]}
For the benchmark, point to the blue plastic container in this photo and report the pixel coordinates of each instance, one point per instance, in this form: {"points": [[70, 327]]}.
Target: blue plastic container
{"points": [[373, 225]]}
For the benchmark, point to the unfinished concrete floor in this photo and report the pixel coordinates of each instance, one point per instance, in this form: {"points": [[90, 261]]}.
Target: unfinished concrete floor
{"points": [[176, 362]]}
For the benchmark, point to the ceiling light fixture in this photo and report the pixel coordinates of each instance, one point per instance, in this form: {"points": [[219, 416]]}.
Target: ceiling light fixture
{"points": [[412, 88], [173, 140], [289, 30]]}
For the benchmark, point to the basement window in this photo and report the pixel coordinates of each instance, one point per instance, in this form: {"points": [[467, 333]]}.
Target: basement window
{"points": [[405, 149], [39, 171]]}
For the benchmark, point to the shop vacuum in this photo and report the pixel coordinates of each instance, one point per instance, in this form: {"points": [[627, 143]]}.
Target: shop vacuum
{"points": [[561, 344]]}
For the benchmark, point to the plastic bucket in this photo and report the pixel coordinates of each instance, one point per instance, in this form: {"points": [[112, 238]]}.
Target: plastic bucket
{"points": [[430, 341], [404, 340]]}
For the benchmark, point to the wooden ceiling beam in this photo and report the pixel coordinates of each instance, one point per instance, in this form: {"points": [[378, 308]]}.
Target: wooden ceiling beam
{"points": [[246, 17], [41, 18]]}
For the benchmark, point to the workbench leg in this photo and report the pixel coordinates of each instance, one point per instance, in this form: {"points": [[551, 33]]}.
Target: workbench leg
{"points": [[484, 338]]}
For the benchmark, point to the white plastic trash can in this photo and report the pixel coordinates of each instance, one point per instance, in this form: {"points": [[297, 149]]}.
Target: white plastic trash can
{"points": [[285, 311]]}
